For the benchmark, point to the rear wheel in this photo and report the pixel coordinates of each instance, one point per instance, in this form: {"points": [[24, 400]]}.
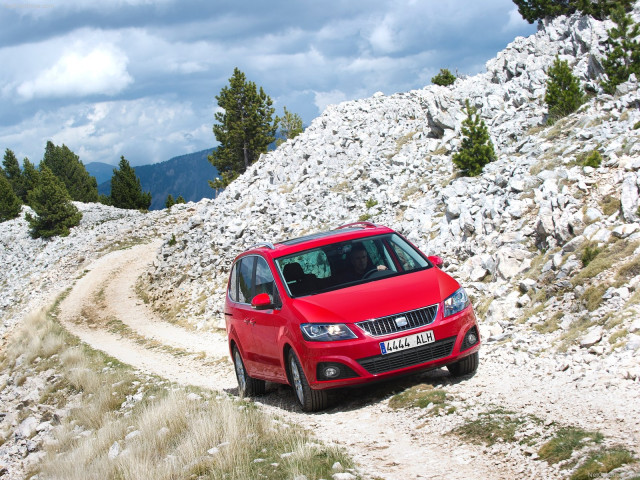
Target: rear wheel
{"points": [[247, 385], [310, 400], [465, 366]]}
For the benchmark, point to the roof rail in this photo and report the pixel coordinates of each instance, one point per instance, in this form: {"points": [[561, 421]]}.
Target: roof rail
{"points": [[269, 245], [358, 224]]}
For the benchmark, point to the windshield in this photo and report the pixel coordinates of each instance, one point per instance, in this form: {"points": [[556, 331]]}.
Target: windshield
{"points": [[344, 264]]}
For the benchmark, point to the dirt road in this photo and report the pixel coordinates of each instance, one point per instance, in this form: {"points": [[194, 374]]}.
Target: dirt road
{"points": [[105, 312]]}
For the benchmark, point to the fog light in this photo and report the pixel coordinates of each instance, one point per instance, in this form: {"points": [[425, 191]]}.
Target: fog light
{"points": [[471, 338], [331, 371]]}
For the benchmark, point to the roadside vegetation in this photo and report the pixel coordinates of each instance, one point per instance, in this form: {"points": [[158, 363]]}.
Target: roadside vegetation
{"points": [[433, 400], [579, 454], [122, 424]]}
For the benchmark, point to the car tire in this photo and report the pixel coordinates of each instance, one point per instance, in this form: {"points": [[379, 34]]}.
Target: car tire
{"points": [[310, 400], [465, 366], [247, 386]]}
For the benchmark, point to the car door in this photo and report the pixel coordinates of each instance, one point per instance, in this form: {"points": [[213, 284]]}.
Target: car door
{"points": [[268, 324], [240, 289]]}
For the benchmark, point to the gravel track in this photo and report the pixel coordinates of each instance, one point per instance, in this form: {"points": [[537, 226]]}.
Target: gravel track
{"points": [[387, 443]]}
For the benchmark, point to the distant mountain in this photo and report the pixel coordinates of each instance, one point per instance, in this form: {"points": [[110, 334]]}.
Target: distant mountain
{"points": [[186, 175], [102, 171]]}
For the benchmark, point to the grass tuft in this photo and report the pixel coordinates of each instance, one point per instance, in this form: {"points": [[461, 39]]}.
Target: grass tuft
{"points": [[494, 426], [420, 396], [602, 462], [565, 442]]}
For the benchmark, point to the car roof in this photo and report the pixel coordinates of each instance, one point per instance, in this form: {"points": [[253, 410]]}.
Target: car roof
{"points": [[342, 233]]}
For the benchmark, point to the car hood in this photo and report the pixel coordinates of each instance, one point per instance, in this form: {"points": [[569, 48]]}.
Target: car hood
{"points": [[386, 296]]}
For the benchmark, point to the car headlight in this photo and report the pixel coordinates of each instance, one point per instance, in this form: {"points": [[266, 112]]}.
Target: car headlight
{"points": [[326, 332], [455, 303]]}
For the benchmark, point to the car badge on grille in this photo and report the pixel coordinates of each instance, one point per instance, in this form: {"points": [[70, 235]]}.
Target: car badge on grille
{"points": [[401, 322]]}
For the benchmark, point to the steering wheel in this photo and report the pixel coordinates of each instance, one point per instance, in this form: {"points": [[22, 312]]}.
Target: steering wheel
{"points": [[370, 272]]}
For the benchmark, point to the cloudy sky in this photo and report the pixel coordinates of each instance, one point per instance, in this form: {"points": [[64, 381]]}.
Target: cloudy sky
{"points": [[139, 77]]}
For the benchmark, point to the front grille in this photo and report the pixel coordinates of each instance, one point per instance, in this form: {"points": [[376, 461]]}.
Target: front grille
{"points": [[387, 325], [407, 358]]}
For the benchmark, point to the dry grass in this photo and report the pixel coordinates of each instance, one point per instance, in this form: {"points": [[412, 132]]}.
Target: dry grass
{"points": [[605, 259], [610, 205], [177, 432], [550, 324], [577, 329]]}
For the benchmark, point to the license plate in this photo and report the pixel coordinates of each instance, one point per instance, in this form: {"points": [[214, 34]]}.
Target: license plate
{"points": [[404, 343]]}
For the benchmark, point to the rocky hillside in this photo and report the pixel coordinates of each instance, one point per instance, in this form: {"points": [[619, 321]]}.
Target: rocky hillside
{"points": [[549, 249], [519, 236]]}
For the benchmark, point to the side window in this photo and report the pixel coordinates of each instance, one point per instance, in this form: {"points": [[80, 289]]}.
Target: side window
{"points": [[233, 283], [408, 257], [245, 272], [314, 262], [264, 280], [374, 253]]}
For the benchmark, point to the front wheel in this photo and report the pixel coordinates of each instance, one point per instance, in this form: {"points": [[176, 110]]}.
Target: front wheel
{"points": [[310, 400], [247, 386], [465, 366]]}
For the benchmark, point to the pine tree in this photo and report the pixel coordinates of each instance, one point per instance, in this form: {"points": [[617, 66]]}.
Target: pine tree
{"points": [[10, 204], [476, 149], [30, 176], [55, 214], [180, 199], [624, 54], [170, 201], [126, 191], [290, 126], [533, 10], [564, 94], [245, 128], [14, 174], [444, 78], [67, 166]]}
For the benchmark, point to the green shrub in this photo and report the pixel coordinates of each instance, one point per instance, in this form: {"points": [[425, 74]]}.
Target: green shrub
{"points": [[52, 204], [476, 149], [444, 78], [10, 205], [588, 254], [636, 125], [624, 50], [371, 203], [564, 94], [594, 159]]}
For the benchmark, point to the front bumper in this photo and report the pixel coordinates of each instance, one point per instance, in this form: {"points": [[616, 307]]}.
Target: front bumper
{"points": [[364, 361]]}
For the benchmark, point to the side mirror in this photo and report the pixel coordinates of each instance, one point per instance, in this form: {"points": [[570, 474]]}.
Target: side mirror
{"points": [[262, 301], [436, 260]]}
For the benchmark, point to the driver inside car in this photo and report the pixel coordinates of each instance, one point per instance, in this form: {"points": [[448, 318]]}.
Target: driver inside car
{"points": [[360, 264]]}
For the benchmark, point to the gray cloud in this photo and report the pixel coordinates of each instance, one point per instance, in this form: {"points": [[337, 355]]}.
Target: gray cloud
{"points": [[139, 79]]}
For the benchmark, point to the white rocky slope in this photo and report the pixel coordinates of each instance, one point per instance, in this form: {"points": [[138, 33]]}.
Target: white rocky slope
{"points": [[35, 269], [513, 235]]}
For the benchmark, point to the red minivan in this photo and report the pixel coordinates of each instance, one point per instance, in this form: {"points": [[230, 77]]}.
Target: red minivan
{"points": [[352, 305]]}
